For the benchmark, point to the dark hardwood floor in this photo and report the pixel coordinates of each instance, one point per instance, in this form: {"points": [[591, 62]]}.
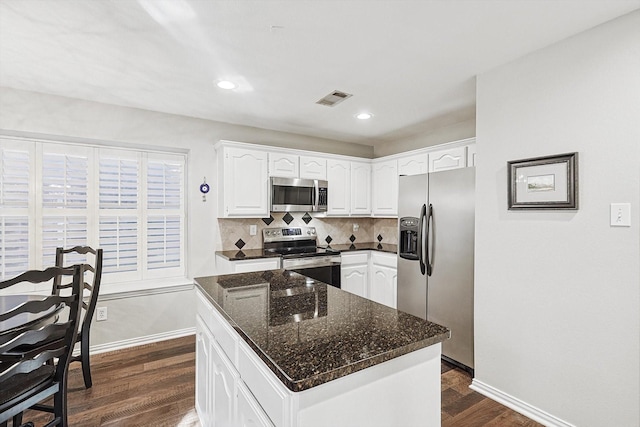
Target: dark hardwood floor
{"points": [[153, 385]]}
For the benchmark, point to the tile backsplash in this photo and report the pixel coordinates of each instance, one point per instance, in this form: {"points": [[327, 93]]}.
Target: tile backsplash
{"points": [[235, 232]]}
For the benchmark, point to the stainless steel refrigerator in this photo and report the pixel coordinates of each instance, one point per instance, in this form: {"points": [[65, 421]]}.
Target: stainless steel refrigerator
{"points": [[436, 223]]}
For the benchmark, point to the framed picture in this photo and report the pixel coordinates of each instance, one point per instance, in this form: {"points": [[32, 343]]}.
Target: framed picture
{"points": [[549, 182]]}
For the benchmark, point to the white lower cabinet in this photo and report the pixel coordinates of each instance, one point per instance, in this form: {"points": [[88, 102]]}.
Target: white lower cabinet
{"points": [[203, 382], [250, 414], [370, 274], [222, 398], [383, 287], [354, 273], [224, 380], [225, 266]]}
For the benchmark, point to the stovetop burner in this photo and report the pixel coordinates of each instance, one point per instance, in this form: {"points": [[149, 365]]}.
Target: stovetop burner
{"points": [[293, 242]]}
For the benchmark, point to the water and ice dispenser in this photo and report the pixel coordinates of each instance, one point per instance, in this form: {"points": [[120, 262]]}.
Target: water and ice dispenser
{"points": [[409, 238]]}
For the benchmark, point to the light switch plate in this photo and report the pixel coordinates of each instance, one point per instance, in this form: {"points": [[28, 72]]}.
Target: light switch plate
{"points": [[621, 214]]}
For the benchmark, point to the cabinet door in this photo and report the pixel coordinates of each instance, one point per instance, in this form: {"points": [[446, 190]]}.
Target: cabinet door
{"points": [[383, 287], [223, 387], [452, 158], [284, 165], [246, 184], [385, 188], [203, 361], [353, 278], [360, 188], [414, 165], [313, 168], [250, 413], [339, 178]]}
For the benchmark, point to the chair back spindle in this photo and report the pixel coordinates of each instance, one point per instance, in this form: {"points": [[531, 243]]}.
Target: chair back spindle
{"points": [[90, 291]]}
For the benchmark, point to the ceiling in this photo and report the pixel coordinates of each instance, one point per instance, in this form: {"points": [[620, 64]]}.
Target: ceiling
{"points": [[407, 62]]}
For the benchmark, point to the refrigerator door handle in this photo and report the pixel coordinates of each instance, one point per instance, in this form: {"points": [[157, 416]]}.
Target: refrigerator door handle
{"points": [[428, 240], [423, 213]]}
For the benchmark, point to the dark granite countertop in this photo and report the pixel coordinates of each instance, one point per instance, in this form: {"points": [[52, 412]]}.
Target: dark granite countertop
{"points": [[309, 333], [238, 255], [367, 246]]}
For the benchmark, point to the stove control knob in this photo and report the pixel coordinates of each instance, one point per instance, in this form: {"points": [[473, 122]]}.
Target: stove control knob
{"points": [[268, 233]]}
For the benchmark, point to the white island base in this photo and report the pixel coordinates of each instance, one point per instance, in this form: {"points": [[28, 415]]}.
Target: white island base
{"points": [[235, 388]]}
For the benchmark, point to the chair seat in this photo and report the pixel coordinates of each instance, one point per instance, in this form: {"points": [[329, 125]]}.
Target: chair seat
{"points": [[18, 384]]}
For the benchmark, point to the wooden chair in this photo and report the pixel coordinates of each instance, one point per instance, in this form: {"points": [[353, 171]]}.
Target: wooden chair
{"points": [[89, 301], [29, 348]]}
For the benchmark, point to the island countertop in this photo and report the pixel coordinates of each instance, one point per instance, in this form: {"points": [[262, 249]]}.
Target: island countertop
{"points": [[309, 333]]}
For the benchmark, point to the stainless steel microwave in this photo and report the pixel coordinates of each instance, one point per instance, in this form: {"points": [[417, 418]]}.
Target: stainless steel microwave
{"points": [[298, 195]]}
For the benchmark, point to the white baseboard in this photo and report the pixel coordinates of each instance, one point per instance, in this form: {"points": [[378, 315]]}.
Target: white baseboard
{"points": [[148, 339], [518, 405]]}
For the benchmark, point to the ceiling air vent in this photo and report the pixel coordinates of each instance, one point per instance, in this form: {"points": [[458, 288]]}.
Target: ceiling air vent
{"points": [[333, 98]]}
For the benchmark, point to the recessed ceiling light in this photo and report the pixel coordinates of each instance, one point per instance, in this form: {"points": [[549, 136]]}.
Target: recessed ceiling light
{"points": [[225, 84], [364, 116]]}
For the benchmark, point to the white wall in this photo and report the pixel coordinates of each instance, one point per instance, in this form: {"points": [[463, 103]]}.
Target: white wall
{"points": [[154, 314], [557, 294], [454, 126]]}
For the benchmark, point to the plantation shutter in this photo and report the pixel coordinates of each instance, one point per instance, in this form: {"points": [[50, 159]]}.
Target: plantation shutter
{"points": [[15, 172], [120, 210], [65, 182], [165, 214]]}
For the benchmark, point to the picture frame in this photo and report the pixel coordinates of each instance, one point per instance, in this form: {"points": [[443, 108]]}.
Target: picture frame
{"points": [[549, 182]]}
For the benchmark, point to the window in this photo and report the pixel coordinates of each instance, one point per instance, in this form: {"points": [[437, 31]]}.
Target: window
{"points": [[128, 202], [15, 220]]}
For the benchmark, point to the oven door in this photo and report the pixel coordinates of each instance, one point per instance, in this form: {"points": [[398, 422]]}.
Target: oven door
{"points": [[322, 268]]}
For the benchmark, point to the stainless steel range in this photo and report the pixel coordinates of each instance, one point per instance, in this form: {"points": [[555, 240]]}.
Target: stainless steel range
{"points": [[300, 253]]}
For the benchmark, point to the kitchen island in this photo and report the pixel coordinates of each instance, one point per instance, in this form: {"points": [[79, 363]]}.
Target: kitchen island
{"points": [[278, 348]]}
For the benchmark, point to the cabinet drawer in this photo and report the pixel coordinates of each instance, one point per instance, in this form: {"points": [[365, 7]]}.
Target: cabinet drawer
{"points": [[204, 309], [263, 384], [222, 332], [256, 265], [355, 258], [384, 259], [225, 336]]}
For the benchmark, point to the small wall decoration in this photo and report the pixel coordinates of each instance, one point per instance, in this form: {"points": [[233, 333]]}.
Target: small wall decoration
{"points": [[549, 182], [204, 189]]}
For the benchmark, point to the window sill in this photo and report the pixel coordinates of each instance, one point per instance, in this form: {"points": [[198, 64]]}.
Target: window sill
{"points": [[143, 287]]}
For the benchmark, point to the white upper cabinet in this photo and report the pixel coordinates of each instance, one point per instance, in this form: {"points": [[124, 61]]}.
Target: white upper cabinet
{"points": [[471, 155], [360, 188], [414, 165], [339, 179], [313, 168], [283, 165], [385, 188], [244, 190], [451, 158]]}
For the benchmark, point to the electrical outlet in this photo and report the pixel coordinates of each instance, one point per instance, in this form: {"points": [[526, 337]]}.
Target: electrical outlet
{"points": [[356, 227], [101, 314], [253, 230]]}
